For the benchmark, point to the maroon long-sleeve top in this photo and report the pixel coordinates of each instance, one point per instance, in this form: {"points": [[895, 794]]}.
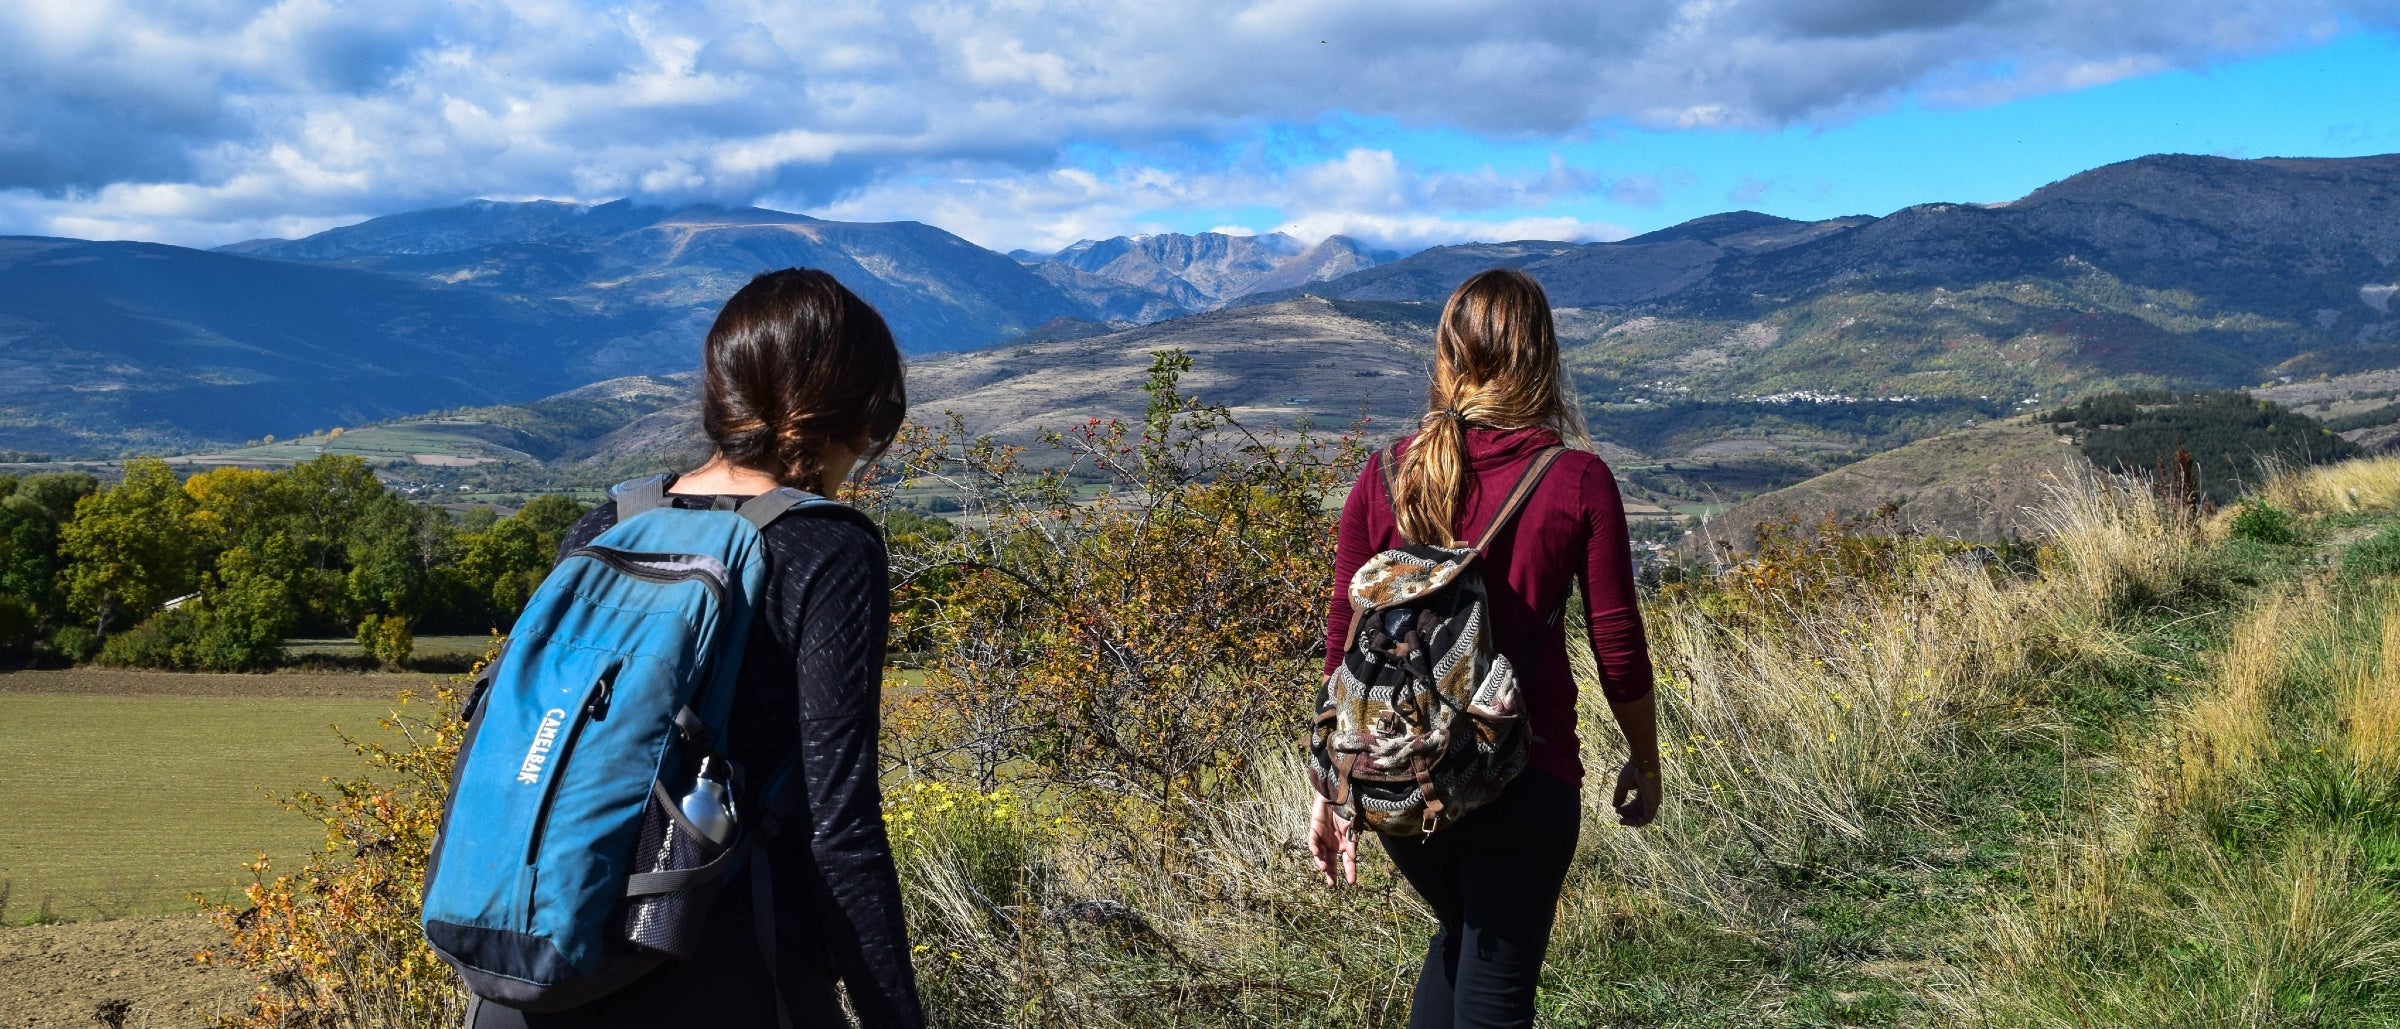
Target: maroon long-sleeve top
{"points": [[1573, 527]]}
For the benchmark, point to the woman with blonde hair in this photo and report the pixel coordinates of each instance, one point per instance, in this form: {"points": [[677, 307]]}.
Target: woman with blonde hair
{"points": [[1498, 410]]}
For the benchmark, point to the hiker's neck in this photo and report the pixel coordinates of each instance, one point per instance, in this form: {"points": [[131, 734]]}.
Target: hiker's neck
{"points": [[720, 476]]}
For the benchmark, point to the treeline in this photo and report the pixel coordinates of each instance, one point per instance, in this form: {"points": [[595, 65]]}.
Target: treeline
{"points": [[2385, 415], [215, 571], [2232, 436]]}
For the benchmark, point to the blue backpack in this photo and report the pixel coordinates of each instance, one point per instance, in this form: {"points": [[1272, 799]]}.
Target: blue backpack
{"points": [[568, 862]]}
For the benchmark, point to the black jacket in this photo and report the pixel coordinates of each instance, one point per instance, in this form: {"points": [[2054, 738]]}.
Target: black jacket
{"points": [[812, 680]]}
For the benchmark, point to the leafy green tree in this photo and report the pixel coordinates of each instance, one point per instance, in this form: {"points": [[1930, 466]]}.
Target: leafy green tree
{"points": [[247, 607], [30, 515], [55, 494], [503, 564], [28, 552], [319, 503], [550, 516], [128, 548], [387, 558]]}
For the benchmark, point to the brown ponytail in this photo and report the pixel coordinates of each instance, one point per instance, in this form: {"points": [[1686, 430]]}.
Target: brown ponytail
{"points": [[795, 362], [1495, 365]]}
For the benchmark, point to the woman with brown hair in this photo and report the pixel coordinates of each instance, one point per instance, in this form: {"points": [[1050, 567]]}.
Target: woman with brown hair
{"points": [[1493, 876], [801, 380]]}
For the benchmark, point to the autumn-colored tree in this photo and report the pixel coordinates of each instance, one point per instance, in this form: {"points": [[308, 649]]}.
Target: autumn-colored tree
{"points": [[387, 639], [128, 549], [231, 503]]}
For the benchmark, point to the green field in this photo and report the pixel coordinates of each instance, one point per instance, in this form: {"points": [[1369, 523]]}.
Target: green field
{"points": [[129, 790], [127, 803], [469, 645]]}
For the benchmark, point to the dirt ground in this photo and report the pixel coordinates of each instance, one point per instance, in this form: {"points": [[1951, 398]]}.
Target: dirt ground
{"points": [[66, 975], [127, 682]]}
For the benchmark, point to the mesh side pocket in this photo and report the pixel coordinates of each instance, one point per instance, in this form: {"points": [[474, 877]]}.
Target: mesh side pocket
{"points": [[670, 923]]}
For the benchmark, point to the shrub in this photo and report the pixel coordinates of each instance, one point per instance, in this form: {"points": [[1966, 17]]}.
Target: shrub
{"points": [[2264, 522], [162, 640], [387, 640], [2376, 556], [75, 643], [1131, 650]]}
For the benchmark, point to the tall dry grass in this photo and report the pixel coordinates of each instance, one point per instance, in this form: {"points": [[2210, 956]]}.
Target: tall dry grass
{"points": [[2245, 879], [1030, 923], [2365, 486], [1826, 720], [2215, 939], [2370, 708], [2224, 735]]}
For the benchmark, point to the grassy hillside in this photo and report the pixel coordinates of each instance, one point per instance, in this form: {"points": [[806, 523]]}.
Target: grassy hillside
{"points": [[2140, 777], [1981, 483], [1990, 481]]}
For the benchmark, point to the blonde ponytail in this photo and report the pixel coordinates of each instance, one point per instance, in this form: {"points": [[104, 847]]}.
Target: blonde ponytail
{"points": [[1495, 365]]}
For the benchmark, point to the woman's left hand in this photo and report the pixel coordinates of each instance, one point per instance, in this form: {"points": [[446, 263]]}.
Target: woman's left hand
{"points": [[1331, 841]]}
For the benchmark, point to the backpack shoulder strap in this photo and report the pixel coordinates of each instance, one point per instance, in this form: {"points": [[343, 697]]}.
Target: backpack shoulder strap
{"points": [[1389, 461], [762, 510], [639, 496], [1518, 495]]}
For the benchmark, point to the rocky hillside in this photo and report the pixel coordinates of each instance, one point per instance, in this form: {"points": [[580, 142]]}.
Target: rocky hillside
{"points": [[1207, 271]]}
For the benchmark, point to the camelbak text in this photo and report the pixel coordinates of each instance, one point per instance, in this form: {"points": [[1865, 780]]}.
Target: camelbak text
{"points": [[531, 771]]}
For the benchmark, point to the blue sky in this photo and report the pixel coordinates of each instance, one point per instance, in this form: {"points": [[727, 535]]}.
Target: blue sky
{"points": [[2331, 99], [1032, 123]]}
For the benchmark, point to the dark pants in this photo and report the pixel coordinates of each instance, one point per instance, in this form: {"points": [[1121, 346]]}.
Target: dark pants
{"points": [[1493, 880], [727, 985]]}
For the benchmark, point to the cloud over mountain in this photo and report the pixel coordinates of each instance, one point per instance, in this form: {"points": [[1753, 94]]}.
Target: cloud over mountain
{"points": [[202, 122]]}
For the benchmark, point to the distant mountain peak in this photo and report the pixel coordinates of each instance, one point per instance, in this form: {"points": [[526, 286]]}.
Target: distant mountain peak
{"points": [[1204, 271]]}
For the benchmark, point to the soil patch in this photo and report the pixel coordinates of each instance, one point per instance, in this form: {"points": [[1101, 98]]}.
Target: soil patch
{"points": [[61, 975]]}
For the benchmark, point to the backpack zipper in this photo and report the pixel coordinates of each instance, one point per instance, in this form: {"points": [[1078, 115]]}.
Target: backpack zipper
{"points": [[662, 568], [594, 708]]}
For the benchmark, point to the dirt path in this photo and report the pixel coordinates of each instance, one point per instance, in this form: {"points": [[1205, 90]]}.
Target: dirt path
{"points": [[65, 975], [126, 682]]}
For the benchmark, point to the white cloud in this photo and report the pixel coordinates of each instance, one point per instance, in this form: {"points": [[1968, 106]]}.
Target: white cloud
{"points": [[203, 122], [1365, 193]]}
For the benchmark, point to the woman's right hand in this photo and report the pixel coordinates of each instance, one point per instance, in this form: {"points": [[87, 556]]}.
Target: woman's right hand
{"points": [[1332, 842]]}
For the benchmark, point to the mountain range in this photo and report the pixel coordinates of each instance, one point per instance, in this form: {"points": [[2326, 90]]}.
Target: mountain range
{"points": [[108, 347], [2169, 271], [1724, 338]]}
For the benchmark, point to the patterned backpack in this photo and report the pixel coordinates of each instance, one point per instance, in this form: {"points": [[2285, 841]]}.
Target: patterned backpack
{"points": [[1421, 723]]}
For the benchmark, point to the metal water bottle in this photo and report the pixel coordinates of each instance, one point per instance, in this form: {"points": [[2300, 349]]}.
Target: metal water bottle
{"points": [[709, 806]]}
